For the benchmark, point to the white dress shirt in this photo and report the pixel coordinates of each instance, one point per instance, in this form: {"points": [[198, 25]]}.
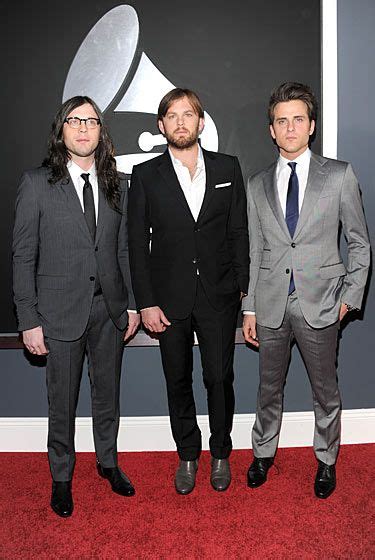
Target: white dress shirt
{"points": [[283, 172], [193, 188], [75, 172]]}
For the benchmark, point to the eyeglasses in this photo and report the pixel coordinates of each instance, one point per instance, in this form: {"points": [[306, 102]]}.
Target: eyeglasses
{"points": [[75, 122]]}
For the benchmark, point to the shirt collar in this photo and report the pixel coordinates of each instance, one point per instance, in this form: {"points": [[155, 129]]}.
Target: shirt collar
{"points": [[303, 160], [200, 160], [75, 170]]}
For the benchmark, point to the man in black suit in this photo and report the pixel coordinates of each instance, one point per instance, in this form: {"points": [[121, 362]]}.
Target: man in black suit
{"points": [[192, 277], [72, 286]]}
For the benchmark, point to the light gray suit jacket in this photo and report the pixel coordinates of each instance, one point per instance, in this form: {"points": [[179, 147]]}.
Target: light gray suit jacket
{"points": [[321, 279], [55, 260]]}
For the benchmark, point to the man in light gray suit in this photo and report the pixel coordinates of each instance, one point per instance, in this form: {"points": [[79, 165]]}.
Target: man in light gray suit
{"points": [[72, 286], [300, 288]]}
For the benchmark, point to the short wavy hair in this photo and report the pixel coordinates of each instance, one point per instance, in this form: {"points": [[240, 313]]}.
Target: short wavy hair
{"points": [[291, 91], [179, 93]]}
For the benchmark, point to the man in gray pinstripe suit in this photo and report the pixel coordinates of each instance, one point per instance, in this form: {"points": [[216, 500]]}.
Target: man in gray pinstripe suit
{"points": [[72, 286], [300, 288]]}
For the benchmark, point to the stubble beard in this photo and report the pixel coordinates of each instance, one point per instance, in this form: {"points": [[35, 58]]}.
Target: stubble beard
{"points": [[183, 142], [83, 153]]}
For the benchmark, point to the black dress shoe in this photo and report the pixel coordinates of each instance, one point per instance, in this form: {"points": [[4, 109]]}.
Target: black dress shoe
{"points": [[257, 473], [61, 498], [118, 480], [325, 480]]}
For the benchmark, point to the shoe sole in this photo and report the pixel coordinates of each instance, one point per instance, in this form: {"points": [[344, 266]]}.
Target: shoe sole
{"points": [[256, 484], [124, 495], [220, 489], [63, 515], [324, 496], [184, 492], [116, 492]]}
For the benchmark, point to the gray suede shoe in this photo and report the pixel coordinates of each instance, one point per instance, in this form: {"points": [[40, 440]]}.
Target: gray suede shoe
{"points": [[185, 476], [220, 474]]}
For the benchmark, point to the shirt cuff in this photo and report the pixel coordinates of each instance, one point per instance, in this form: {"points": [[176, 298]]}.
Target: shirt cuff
{"points": [[132, 311], [248, 312], [350, 307]]}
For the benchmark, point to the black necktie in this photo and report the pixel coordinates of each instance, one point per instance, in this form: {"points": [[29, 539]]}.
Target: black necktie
{"points": [[88, 204], [292, 210], [89, 212]]}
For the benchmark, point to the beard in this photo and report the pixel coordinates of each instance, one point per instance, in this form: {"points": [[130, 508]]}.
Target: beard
{"points": [[183, 142]]}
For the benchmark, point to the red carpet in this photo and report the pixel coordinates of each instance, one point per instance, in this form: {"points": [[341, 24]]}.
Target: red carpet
{"points": [[281, 520]]}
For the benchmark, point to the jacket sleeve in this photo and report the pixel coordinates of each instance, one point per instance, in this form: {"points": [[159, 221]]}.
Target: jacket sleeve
{"points": [[25, 254], [355, 231], [123, 251], [238, 239], [139, 243], [256, 247]]}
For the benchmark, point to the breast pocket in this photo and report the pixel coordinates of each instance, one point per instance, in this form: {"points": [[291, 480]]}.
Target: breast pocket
{"points": [[266, 256], [223, 191], [325, 194]]}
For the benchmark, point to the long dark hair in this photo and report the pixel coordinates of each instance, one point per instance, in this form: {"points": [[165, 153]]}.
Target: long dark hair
{"points": [[58, 155]]}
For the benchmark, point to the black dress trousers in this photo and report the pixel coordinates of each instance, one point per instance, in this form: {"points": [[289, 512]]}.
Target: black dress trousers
{"points": [[216, 336]]}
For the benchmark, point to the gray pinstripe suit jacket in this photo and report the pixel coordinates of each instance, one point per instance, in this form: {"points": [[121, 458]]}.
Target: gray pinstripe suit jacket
{"points": [[321, 278], [55, 259]]}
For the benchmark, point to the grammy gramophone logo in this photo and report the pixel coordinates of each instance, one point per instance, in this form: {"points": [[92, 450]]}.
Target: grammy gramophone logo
{"points": [[106, 60]]}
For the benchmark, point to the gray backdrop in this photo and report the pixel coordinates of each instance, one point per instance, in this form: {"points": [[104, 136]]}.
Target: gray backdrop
{"points": [[22, 385], [229, 53]]}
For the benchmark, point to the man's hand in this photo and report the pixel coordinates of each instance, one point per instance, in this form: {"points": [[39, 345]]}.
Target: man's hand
{"points": [[343, 311], [33, 340], [134, 321], [154, 319], [249, 329]]}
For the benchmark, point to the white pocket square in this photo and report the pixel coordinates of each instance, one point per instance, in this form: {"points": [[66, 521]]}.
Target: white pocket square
{"points": [[221, 185]]}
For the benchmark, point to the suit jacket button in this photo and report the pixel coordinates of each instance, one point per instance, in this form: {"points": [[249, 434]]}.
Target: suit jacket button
{"points": [[293, 245], [197, 229], [287, 271], [195, 261], [96, 248], [92, 278]]}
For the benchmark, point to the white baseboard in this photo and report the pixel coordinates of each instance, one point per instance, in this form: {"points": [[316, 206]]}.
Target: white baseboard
{"points": [[152, 433]]}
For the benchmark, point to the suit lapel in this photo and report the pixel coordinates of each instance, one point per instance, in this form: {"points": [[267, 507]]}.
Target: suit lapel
{"points": [[168, 173], [270, 188], [102, 206], [209, 163], [74, 204], [315, 183]]}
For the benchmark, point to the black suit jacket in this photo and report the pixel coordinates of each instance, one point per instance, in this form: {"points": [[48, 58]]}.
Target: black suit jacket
{"points": [[164, 268], [55, 260]]}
